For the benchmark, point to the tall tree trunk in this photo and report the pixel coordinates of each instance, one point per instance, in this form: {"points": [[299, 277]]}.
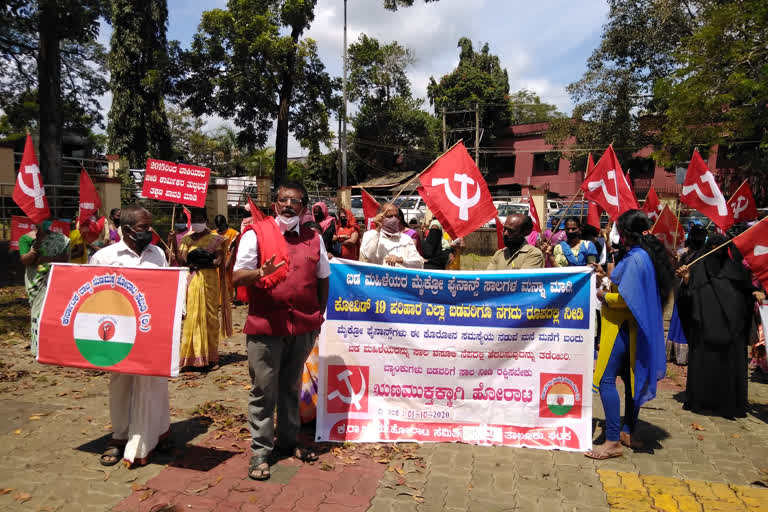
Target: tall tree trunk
{"points": [[49, 88], [286, 91]]}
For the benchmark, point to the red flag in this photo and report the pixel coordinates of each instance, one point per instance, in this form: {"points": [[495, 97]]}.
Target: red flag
{"points": [[91, 228], [743, 204], [590, 165], [593, 214], [652, 206], [189, 217], [370, 208], [473, 206], [534, 215], [123, 320], [256, 213], [700, 191], [499, 233], [29, 193], [753, 245], [607, 186], [629, 184], [665, 229], [89, 197]]}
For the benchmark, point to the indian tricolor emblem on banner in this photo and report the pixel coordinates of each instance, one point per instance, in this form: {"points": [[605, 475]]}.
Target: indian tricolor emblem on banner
{"points": [[105, 328], [560, 396]]}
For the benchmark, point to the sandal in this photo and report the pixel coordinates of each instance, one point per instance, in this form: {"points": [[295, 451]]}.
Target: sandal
{"points": [[600, 454], [113, 452], [257, 469], [305, 455]]}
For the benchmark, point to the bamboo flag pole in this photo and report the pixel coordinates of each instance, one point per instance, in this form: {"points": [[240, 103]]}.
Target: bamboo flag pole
{"points": [[173, 216], [556, 227], [677, 224], [425, 170], [726, 243]]}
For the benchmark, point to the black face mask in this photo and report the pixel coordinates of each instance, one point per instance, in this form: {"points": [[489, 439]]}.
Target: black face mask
{"points": [[141, 238], [319, 217], [116, 222], [514, 242], [572, 236], [343, 222]]}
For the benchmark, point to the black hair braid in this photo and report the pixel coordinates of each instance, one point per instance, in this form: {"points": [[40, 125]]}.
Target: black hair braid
{"points": [[634, 226]]}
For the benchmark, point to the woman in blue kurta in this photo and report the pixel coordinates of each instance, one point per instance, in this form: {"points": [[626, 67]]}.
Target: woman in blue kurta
{"points": [[632, 337]]}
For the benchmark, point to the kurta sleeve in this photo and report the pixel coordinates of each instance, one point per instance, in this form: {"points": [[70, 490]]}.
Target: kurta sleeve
{"points": [[411, 257], [369, 245]]}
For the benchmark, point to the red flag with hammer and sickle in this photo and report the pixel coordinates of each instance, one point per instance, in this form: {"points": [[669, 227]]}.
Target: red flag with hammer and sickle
{"points": [[462, 213], [29, 193], [700, 191], [743, 204], [753, 245], [666, 227], [607, 186], [652, 206]]}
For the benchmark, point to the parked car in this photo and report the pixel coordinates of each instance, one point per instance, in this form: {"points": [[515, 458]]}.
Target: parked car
{"points": [[357, 206], [505, 210], [576, 210], [413, 208]]}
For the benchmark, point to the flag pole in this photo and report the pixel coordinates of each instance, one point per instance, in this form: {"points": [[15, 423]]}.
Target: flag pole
{"points": [[425, 170], [726, 243], [557, 226], [159, 237], [677, 225], [173, 216]]}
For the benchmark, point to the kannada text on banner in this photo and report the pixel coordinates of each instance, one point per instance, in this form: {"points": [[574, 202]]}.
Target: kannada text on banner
{"points": [[500, 358], [119, 319], [177, 183]]}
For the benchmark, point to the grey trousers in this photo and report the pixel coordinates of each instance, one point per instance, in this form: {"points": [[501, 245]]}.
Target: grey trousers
{"points": [[275, 364]]}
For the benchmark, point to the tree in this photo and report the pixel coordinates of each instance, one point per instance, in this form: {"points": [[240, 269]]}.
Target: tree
{"points": [[390, 128], [526, 107], [392, 5], [478, 79], [718, 93], [613, 100], [138, 64], [249, 63], [52, 67]]}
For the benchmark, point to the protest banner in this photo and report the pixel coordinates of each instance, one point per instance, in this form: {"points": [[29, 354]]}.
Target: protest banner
{"points": [[119, 319], [502, 358], [177, 183], [23, 225]]}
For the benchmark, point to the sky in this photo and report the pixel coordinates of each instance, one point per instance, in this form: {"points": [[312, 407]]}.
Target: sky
{"points": [[543, 45]]}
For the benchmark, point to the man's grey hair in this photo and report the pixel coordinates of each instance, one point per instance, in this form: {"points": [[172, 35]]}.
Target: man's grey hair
{"points": [[129, 215]]}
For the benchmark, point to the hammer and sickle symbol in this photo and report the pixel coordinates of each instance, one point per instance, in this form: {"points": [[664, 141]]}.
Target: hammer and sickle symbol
{"points": [[353, 398]]}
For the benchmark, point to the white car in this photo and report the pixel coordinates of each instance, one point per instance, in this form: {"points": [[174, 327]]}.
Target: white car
{"points": [[506, 209], [413, 208]]}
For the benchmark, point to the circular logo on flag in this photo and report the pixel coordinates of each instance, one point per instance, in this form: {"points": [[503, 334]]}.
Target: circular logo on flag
{"points": [[105, 328], [560, 398]]}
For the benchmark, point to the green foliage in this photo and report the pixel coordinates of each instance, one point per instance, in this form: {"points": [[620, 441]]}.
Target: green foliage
{"points": [[718, 94], [392, 5], [526, 107], [138, 64], [378, 71], [478, 79], [248, 63], [82, 61]]}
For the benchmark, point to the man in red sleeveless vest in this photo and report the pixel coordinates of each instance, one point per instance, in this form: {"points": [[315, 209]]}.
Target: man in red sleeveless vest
{"points": [[286, 269]]}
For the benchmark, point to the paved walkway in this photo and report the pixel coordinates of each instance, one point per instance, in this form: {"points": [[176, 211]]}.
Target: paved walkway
{"points": [[56, 421]]}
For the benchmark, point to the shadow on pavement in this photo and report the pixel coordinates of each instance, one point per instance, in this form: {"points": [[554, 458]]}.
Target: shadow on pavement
{"points": [[649, 435], [231, 358]]}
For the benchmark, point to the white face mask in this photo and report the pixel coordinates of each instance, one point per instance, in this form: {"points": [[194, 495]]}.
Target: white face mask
{"points": [[288, 222], [198, 227]]}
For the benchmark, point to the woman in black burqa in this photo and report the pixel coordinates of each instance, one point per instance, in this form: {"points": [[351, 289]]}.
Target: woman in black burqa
{"points": [[715, 303]]}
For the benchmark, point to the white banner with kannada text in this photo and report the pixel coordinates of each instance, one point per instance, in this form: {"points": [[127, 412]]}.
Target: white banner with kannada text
{"points": [[502, 358]]}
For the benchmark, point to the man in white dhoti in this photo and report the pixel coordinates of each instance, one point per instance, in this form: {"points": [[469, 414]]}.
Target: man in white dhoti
{"points": [[138, 404]]}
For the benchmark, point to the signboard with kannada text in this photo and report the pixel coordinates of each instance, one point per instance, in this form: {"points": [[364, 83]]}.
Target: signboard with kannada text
{"points": [[176, 183], [500, 358]]}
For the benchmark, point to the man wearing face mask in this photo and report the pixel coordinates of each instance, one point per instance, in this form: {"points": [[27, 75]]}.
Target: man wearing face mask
{"points": [[285, 267], [573, 251], [387, 244], [517, 253], [138, 404]]}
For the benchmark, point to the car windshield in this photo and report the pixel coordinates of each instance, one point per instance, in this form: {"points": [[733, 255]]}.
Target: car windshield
{"points": [[357, 202], [508, 209], [408, 202]]}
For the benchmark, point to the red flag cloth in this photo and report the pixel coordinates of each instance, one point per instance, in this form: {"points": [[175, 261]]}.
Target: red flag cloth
{"points": [[743, 204], [473, 206], [91, 228], [753, 245], [370, 208], [89, 197], [256, 213], [700, 191], [29, 193], [118, 319], [665, 229], [590, 164], [155, 237], [629, 183], [189, 217], [499, 233], [652, 206], [593, 214], [607, 186], [534, 215]]}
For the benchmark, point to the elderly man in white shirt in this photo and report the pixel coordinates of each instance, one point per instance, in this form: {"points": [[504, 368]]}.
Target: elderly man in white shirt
{"points": [[386, 244], [285, 311], [138, 404]]}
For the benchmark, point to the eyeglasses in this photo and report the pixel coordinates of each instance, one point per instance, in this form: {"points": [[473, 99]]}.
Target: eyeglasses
{"points": [[292, 200]]}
